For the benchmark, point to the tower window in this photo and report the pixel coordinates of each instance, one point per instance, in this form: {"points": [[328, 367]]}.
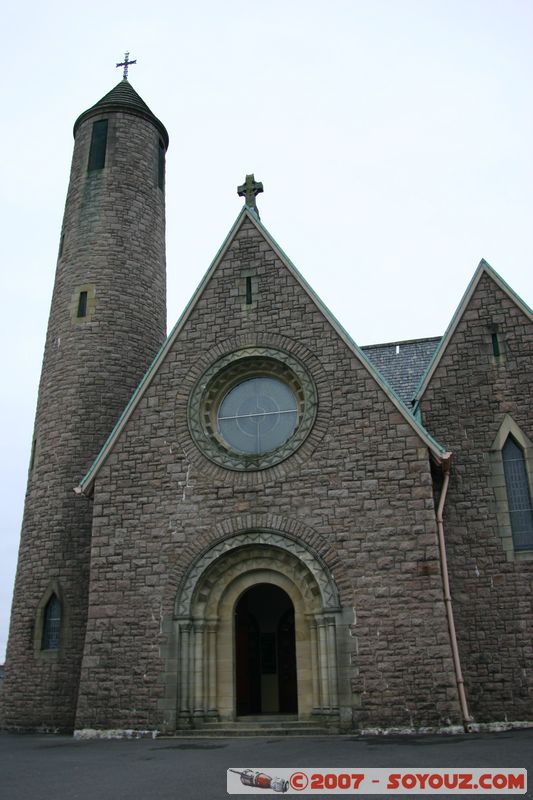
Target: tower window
{"points": [[98, 145], [495, 345], [52, 624], [33, 451], [61, 245], [82, 305], [518, 494], [161, 166]]}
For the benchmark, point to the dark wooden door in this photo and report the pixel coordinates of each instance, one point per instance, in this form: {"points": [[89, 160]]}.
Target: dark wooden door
{"points": [[288, 692], [248, 660]]}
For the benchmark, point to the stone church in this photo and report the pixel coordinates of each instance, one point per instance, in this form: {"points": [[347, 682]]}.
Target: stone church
{"points": [[254, 520]]}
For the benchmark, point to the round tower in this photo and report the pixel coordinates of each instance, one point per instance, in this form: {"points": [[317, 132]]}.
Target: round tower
{"points": [[107, 322]]}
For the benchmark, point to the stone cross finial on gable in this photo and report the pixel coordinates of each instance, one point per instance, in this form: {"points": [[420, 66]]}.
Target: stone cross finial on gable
{"points": [[249, 190], [126, 64]]}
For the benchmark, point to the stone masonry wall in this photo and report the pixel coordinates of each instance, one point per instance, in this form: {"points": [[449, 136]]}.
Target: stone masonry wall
{"points": [[361, 483], [464, 405], [113, 247]]}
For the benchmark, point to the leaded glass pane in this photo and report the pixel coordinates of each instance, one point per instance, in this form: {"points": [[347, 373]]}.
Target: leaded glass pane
{"points": [[52, 624], [258, 415], [518, 494]]}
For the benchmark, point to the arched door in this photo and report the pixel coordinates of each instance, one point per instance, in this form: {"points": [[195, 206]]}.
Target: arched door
{"points": [[265, 652]]}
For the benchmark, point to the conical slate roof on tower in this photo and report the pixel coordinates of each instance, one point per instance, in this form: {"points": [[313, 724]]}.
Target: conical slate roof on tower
{"points": [[123, 97]]}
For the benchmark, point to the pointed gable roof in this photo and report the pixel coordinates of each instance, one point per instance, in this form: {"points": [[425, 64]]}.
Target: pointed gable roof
{"points": [[484, 268], [123, 97], [438, 452]]}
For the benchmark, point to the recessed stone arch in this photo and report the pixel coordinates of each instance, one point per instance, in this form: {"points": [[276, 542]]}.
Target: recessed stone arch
{"points": [[201, 651], [272, 539], [291, 528]]}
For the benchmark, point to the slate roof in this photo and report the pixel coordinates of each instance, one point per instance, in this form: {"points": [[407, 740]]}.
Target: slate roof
{"points": [[403, 364], [123, 97]]}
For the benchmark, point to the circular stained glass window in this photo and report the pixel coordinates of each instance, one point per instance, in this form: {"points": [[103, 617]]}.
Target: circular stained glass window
{"points": [[252, 408], [257, 415]]}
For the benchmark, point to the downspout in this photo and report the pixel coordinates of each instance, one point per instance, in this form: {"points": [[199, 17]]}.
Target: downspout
{"points": [[467, 719]]}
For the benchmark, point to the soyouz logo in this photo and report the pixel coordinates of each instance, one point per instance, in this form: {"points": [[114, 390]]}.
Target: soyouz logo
{"points": [[251, 777], [354, 780]]}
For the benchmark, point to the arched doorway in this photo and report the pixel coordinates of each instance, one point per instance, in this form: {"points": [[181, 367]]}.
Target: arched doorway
{"points": [[265, 652], [201, 652]]}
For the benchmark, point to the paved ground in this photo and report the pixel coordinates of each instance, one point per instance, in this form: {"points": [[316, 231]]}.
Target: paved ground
{"points": [[59, 768]]}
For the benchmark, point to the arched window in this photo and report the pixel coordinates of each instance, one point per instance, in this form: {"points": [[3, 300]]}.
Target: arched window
{"points": [[518, 494], [52, 624]]}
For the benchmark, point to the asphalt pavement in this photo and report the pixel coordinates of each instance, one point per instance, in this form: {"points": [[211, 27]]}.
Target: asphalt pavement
{"points": [[61, 768]]}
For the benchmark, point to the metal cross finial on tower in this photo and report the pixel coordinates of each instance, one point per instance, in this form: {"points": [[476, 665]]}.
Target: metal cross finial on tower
{"points": [[126, 64], [249, 190]]}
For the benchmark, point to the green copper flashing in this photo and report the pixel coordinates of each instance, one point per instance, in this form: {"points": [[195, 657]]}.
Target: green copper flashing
{"points": [[483, 267], [438, 450], [509, 289], [84, 483], [348, 339]]}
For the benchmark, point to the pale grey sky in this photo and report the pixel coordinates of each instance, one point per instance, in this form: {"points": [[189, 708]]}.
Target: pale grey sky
{"points": [[393, 139]]}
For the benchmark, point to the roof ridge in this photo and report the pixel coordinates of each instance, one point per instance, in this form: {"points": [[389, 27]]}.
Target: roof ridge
{"points": [[482, 267], [245, 213], [85, 481], [402, 341], [349, 340]]}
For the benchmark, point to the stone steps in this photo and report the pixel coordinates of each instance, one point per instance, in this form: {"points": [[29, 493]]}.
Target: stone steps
{"points": [[259, 726]]}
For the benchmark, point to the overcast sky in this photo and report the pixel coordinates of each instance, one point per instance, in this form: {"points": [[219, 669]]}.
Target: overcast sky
{"points": [[393, 139]]}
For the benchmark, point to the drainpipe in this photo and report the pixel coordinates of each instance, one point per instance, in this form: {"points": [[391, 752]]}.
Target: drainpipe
{"points": [[467, 719]]}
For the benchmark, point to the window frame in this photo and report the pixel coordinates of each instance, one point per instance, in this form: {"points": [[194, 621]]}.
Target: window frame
{"points": [[228, 372], [89, 289], [51, 639], [514, 488], [498, 481], [52, 589]]}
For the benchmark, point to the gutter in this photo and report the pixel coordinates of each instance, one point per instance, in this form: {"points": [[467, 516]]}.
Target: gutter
{"points": [[467, 719]]}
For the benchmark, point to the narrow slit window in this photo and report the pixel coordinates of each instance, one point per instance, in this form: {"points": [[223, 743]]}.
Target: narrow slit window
{"points": [[32, 457], [82, 305], [249, 298], [61, 245], [52, 624], [161, 166], [495, 345], [518, 494], [98, 145]]}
